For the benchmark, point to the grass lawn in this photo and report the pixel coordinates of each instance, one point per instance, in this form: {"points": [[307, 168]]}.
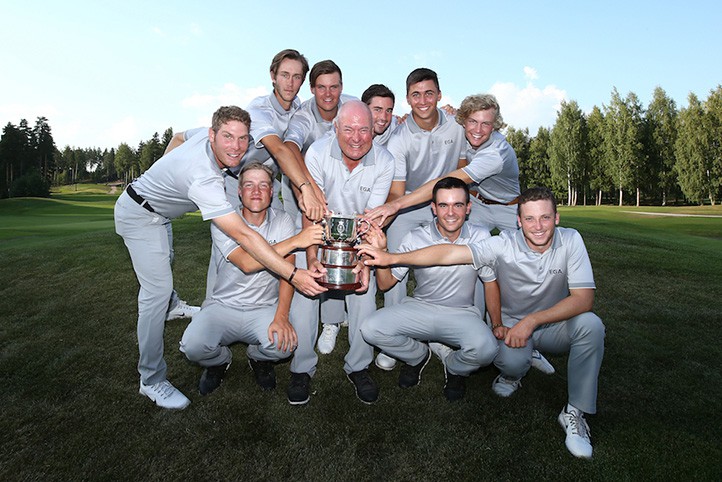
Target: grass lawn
{"points": [[70, 407]]}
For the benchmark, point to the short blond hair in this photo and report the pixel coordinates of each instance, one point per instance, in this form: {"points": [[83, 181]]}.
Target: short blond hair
{"points": [[475, 103]]}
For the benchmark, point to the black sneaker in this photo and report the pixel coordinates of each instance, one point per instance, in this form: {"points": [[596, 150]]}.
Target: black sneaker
{"points": [[264, 373], [299, 392], [455, 386], [410, 375], [211, 378], [366, 389]]}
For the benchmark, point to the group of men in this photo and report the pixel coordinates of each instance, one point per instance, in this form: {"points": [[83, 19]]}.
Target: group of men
{"points": [[416, 180]]}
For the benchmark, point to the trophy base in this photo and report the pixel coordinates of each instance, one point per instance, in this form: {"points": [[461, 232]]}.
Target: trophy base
{"points": [[340, 287]]}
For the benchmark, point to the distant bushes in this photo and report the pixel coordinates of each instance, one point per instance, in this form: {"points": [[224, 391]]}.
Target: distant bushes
{"points": [[30, 184]]}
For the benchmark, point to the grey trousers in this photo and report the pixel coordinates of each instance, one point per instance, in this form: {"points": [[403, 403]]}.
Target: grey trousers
{"points": [[304, 317], [400, 331], [149, 239], [493, 215], [207, 338], [582, 337]]}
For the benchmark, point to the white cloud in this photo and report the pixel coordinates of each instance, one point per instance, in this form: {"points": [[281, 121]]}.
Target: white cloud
{"points": [[124, 130], [530, 73], [529, 106], [158, 31], [196, 30]]}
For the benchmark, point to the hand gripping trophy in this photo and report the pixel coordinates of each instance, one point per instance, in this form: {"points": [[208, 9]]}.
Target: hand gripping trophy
{"points": [[338, 253]]}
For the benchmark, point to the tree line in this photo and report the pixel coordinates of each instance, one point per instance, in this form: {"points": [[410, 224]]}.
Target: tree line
{"points": [[622, 152], [618, 153]]}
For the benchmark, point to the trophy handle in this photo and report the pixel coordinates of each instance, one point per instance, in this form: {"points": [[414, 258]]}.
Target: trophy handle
{"points": [[323, 233], [368, 226]]}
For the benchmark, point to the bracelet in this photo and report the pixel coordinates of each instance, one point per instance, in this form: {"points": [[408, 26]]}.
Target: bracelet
{"points": [[494, 327], [290, 278], [303, 184]]}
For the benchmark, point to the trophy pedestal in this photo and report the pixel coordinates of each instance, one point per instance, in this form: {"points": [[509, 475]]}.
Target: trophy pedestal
{"points": [[339, 262]]}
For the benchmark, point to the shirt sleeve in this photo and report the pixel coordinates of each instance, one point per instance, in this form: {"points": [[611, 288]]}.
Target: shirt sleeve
{"points": [[579, 267], [299, 128], [209, 195], [485, 163], [262, 125]]}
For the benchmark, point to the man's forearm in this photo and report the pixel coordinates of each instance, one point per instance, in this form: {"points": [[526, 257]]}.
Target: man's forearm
{"points": [[254, 244], [437, 255]]}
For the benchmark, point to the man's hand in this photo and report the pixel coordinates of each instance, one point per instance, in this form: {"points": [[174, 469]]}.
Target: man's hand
{"points": [[449, 109], [376, 256], [363, 276], [310, 236], [500, 332], [375, 236], [305, 282], [283, 333], [312, 203], [519, 334], [381, 213]]}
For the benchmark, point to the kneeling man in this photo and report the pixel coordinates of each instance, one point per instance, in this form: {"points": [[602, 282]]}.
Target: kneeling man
{"points": [[442, 310], [547, 292], [248, 304]]}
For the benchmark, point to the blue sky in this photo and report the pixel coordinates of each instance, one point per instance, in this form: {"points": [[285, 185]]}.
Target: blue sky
{"points": [[110, 72]]}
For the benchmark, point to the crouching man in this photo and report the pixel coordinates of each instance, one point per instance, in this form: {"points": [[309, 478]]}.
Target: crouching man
{"points": [[547, 293], [442, 310], [248, 304]]}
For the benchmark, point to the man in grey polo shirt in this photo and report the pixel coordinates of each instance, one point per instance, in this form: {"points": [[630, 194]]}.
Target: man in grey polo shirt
{"points": [[493, 174], [426, 146], [442, 309], [547, 292], [492, 171], [313, 120], [380, 100], [355, 175], [185, 180], [248, 303]]}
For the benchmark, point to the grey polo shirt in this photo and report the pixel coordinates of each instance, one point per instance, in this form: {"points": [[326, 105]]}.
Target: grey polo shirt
{"points": [[383, 139], [185, 180], [268, 117], [444, 285], [530, 281], [350, 192], [425, 155], [306, 125], [237, 289], [494, 169]]}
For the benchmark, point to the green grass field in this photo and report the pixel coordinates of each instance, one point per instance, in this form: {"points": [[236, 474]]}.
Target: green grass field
{"points": [[70, 407]]}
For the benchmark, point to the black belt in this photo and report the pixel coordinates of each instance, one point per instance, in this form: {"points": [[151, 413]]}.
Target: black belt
{"points": [[138, 198], [483, 200]]}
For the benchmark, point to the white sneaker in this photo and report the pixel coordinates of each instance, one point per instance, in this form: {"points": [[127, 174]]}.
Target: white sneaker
{"points": [[578, 441], [540, 363], [327, 340], [165, 395], [182, 310], [440, 350], [505, 387], [385, 362]]}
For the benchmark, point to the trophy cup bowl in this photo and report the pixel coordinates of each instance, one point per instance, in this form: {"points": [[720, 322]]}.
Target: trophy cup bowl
{"points": [[338, 254]]}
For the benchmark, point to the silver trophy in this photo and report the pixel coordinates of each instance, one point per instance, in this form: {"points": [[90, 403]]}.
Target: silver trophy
{"points": [[338, 253]]}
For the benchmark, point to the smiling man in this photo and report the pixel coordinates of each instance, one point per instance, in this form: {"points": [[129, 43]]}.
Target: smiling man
{"points": [[185, 180], [248, 304], [442, 309], [425, 147], [547, 293], [356, 175]]}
